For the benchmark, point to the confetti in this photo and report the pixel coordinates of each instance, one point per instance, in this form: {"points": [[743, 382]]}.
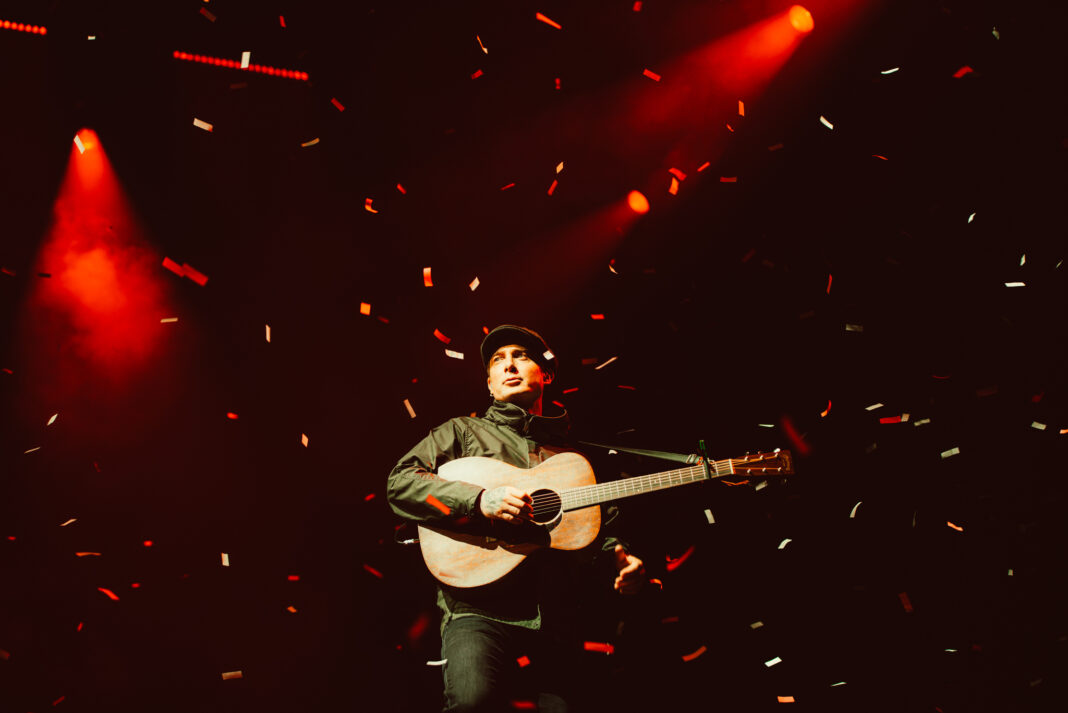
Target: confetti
{"points": [[951, 452], [558, 83], [785, 542], [904, 597], [674, 189], [1010, 571], [996, 33], [373, 571], [225, 559], [728, 179], [87, 554], [474, 284], [652, 75], [637, 7], [829, 279], [79, 144], [168, 320], [598, 646], [890, 71], [282, 20], [477, 74], [548, 355], [829, 125], [971, 217], [674, 564], [202, 124], [962, 71], [438, 504], [1023, 259], [205, 13], [245, 57], [708, 516], [597, 316], [903, 418], [437, 663], [401, 189], [559, 167], [367, 205], [1034, 424], [292, 609], [775, 147], [694, 654], [824, 412], [840, 683], [854, 328], [875, 155], [232, 674], [365, 308], [786, 699], [55, 416], [547, 21], [427, 281], [441, 337], [771, 662], [921, 422], [853, 512], [268, 332], [110, 594], [958, 528], [523, 661], [303, 440], [306, 144], [484, 50], [505, 188], [337, 104], [766, 425], [68, 522], [35, 448], [703, 166], [454, 355], [873, 407], [756, 625], [552, 187], [408, 405], [1015, 284], [761, 485], [601, 366], [193, 274]]}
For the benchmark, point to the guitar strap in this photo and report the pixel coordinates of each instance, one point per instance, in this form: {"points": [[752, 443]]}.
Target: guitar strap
{"points": [[663, 455]]}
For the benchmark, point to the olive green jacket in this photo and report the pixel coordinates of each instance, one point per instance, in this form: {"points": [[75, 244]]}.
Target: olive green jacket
{"points": [[509, 433]]}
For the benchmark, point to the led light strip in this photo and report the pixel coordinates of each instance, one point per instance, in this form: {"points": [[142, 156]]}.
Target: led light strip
{"points": [[23, 27], [235, 64]]}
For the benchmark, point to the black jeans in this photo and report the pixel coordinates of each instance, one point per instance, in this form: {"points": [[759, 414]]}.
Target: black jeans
{"points": [[482, 671]]}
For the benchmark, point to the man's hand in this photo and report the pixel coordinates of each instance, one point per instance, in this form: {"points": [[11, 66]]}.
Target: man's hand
{"points": [[631, 572], [506, 503]]}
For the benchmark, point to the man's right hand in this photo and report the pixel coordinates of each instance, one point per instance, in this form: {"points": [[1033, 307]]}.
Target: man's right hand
{"points": [[506, 503]]}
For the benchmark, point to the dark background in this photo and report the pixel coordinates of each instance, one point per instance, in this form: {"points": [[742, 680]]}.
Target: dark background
{"points": [[718, 311]]}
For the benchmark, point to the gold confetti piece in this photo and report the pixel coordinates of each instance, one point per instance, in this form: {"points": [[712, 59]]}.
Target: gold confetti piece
{"points": [[601, 366], [168, 320], [708, 516], [652, 75], [853, 512], [829, 125], [1063, 431], [232, 674], [87, 554], [484, 50], [971, 217], [73, 519], [761, 485], [202, 124], [785, 542], [1010, 571], [35, 448], [56, 415], [955, 527], [437, 663], [225, 560], [291, 609], [921, 422], [79, 144], [873, 407], [559, 167], [854, 328], [310, 143], [454, 355], [408, 405], [890, 71], [427, 281], [367, 205], [1034, 424], [786, 699], [268, 328], [303, 440], [1015, 284], [824, 412], [691, 656], [771, 662], [996, 33], [1023, 259], [741, 108], [245, 57], [547, 21], [474, 284], [756, 625], [365, 308], [951, 452]]}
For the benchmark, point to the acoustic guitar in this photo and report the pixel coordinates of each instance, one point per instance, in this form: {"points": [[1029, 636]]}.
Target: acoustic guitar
{"points": [[565, 503]]}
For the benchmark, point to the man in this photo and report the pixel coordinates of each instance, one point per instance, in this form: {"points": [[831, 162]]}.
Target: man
{"points": [[484, 630]]}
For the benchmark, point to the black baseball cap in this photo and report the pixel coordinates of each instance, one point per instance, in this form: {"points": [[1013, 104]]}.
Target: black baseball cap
{"points": [[513, 334]]}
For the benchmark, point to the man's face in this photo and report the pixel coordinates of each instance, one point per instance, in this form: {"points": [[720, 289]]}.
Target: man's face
{"points": [[515, 377]]}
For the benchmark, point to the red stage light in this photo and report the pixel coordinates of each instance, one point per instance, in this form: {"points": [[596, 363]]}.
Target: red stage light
{"points": [[638, 202], [23, 27], [801, 19]]}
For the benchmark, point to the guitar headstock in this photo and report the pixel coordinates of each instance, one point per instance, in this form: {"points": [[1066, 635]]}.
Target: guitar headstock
{"points": [[777, 462]]}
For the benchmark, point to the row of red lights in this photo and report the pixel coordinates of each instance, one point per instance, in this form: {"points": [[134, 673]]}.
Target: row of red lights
{"points": [[22, 27], [234, 64]]}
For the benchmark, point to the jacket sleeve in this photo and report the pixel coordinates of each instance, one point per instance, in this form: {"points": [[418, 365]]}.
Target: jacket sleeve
{"points": [[414, 479]]}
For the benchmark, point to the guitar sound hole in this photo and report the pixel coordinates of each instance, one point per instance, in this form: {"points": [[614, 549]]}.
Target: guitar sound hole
{"points": [[546, 505]]}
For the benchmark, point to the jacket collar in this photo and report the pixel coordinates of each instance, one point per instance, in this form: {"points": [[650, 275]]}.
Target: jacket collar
{"points": [[540, 428]]}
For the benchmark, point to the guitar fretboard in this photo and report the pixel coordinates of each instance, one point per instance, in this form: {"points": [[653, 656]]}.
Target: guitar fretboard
{"points": [[575, 498]]}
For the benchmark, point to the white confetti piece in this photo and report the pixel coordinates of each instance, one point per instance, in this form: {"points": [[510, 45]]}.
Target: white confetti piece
{"points": [[245, 57], [971, 217], [766, 425], [1034, 424], [890, 71], [840, 683], [1023, 259], [853, 512], [35, 448], [785, 542], [73, 519], [854, 327], [708, 516], [79, 144], [225, 559], [951, 651], [1015, 284], [549, 356], [996, 33], [232, 674], [761, 485], [829, 125], [408, 405], [771, 662], [474, 284], [268, 332], [601, 366], [454, 355], [304, 440], [951, 452], [756, 625], [56, 415], [202, 124], [168, 320], [1010, 571], [437, 663], [873, 407], [921, 422]]}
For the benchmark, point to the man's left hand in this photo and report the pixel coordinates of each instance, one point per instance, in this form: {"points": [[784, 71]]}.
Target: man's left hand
{"points": [[631, 572]]}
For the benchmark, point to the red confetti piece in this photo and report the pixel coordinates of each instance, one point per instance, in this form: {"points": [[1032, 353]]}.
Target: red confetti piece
{"points": [[281, 21], [195, 275], [598, 646], [558, 82], [111, 595], [135, 585], [674, 188], [373, 571], [679, 174], [147, 543], [555, 402], [637, 6], [80, 625], [510, 185], [904, 597], [228, 675], [875, 155], [651, 74], [231, 415], [824, 412], [401, 189], [58, 701], [958, 528], [631, 388], [795, 437], [477, 74], [440, 336], [438, 504], [741, 108], [695, 654], [87, 554], [829, 278], [596, 316], [291, 609], [524, 705], [962, 71], [891, 419], [568, 391], [728, 179], [205, 13], [1037, 397], [523, 661], [365, 308], [552, 187], [776, 147], [547, 21], [703, 166], [427, 281], [336, 103], [674, 564], [367, 205], [729, 128], [173, 267], [369, 497], [293, 578]]}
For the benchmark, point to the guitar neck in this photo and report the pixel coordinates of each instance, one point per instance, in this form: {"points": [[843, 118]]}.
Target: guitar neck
{"points": [[575, 498]]}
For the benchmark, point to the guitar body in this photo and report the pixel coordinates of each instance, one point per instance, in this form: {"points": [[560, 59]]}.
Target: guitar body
{"points": [[484, 552]]}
